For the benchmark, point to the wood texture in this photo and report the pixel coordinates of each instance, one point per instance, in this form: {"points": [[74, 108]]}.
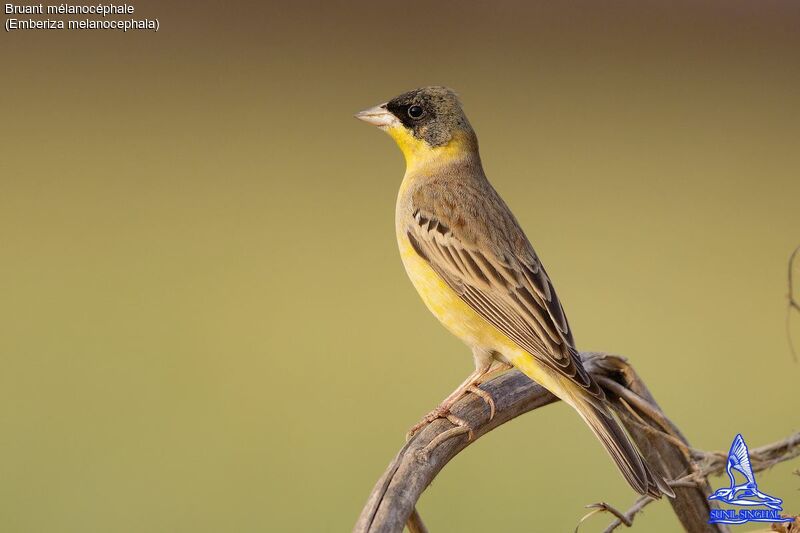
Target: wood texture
{"points": [[394, 496]]}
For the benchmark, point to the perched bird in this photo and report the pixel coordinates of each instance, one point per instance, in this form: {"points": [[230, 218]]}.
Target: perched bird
{"points": [[478, 274]]}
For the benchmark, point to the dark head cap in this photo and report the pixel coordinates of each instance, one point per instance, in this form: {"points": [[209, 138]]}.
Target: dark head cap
{"points": [[432, 114]]}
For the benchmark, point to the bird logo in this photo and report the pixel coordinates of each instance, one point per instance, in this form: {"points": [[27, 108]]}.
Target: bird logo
{"points": [[744, 494]]}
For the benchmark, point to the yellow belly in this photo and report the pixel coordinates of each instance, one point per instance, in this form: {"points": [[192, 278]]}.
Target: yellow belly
{"points": [[458, 317], [469, 326]]}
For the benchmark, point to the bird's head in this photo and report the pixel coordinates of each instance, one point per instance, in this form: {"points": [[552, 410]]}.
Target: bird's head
{"points": [[426, 123], [724, 494]]}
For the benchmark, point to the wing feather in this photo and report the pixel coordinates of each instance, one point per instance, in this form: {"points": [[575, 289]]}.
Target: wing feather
{"points": [[510, 290], [739, 457]]}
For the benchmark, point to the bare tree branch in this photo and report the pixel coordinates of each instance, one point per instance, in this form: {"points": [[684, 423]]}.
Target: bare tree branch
{"points": [[392, 501], [762, 458], [391, 504]]}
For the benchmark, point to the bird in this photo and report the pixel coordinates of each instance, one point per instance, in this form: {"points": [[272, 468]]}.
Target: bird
{"points": [[477, 272], [746, 493], [739, 459]]}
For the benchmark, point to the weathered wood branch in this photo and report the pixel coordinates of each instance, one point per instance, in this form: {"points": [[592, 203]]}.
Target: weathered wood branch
{"points": [[392, 501]]}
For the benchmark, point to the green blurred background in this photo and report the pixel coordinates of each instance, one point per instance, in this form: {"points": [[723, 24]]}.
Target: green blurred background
{"points": [[205, 323]]}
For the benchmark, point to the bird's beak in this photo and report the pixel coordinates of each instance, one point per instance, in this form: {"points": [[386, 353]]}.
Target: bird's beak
{"points": [[377, 116]]}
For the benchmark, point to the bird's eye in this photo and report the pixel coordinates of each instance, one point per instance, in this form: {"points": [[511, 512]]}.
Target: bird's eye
{"points": [[415, 111]]}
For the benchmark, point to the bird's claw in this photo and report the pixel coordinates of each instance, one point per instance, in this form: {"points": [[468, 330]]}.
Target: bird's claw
{"points": [[461, 426], [440, 412], [486, 397], [443, 411]]}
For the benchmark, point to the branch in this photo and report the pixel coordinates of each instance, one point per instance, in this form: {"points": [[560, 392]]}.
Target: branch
{"points": [[622, 518], [392, 500], [793, 303], [763, 458], [394, 496]]}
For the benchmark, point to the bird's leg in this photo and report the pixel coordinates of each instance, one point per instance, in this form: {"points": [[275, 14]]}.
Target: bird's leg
{"points": [[494, 370], [497, 368], [443, 409]]}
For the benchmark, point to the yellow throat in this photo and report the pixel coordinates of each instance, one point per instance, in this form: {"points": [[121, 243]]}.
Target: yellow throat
{"points": [[419, 154]]}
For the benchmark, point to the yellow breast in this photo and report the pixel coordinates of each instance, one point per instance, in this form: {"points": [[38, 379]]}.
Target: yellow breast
{"points": [[458, 317], [466, 324]]}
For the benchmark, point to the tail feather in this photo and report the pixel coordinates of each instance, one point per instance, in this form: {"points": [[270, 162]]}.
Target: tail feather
{"points": [[599, 417], [619, 446]]}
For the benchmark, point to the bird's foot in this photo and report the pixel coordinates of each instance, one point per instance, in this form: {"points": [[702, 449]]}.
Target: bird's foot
{"points": [[443, 411], [461, 426], [486, 397]]}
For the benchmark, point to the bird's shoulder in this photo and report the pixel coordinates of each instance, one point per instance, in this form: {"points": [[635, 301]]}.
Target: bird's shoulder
{"points": [[471, 211]]}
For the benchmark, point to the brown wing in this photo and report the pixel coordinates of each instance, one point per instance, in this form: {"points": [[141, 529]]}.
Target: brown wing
{"points": [[483, 255]]}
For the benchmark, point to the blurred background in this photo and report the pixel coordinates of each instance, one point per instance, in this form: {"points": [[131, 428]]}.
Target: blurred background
{"points": [[205, 322]]}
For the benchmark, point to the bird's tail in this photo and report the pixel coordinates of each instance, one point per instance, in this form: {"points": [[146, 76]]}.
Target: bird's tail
{"points": [[615, 440], [600, 419]]}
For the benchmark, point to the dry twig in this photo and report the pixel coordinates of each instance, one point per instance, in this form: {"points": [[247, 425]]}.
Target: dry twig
{"points": [[793, 303]]}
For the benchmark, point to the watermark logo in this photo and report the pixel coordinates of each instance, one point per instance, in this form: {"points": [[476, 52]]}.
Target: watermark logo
{"points": [[755, 505]]}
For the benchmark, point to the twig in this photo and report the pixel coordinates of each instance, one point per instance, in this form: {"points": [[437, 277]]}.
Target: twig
{"points": [[621, 518], [632, 417], [603, 507], [762, 458], [793, 303], [415, 523], [627, 518], [631, 398]]}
